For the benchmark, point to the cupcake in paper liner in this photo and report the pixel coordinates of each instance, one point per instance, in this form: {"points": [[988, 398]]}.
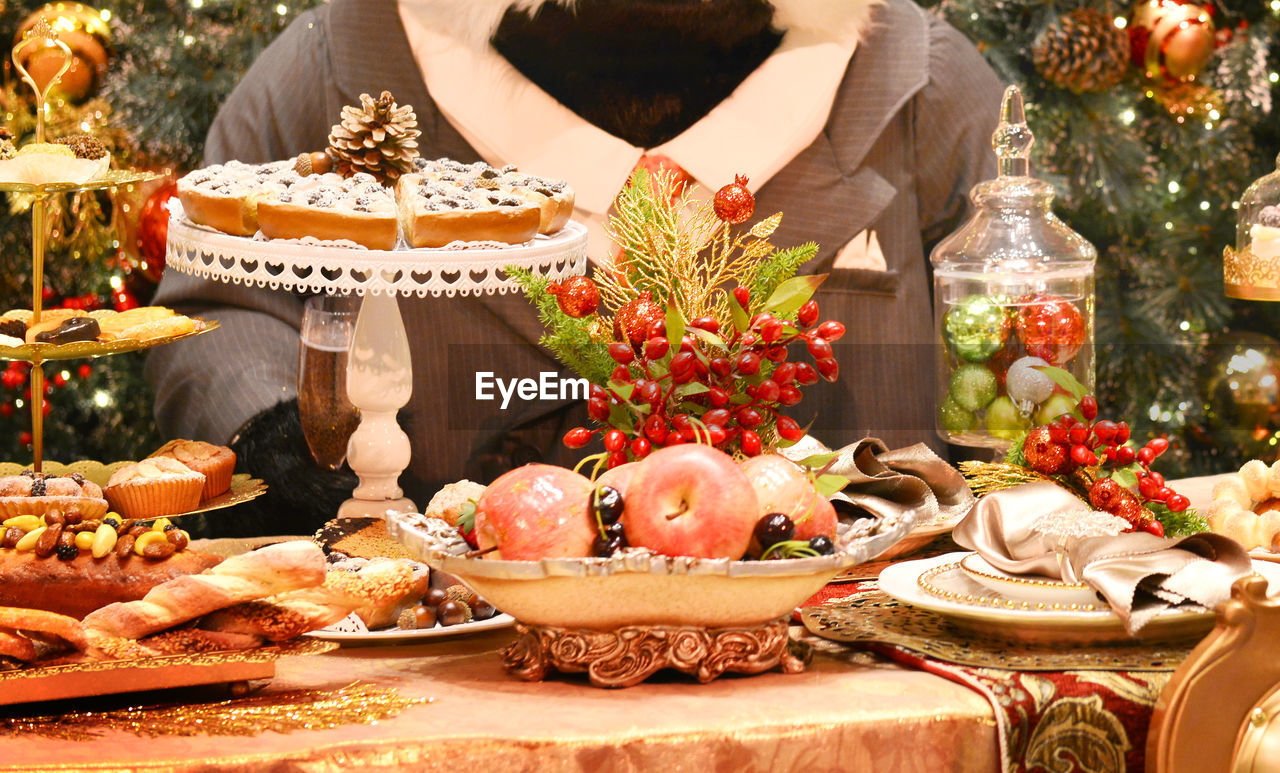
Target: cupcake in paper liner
{"points": [[154, 487], [216, 463], [75, 159]]}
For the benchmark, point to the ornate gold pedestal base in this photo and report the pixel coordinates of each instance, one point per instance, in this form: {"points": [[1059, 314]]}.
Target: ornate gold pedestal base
{"points": [[627, 656]]}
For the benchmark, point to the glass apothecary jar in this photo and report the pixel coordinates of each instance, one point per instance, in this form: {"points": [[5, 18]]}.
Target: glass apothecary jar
{"points": [[1252, 270], [1013, 293]]}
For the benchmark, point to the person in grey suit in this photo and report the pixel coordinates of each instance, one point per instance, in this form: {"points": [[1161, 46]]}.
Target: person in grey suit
{"points": [[887, 173]]}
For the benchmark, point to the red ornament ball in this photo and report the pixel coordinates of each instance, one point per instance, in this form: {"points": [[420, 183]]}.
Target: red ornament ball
{"points": [[85, 371], [578, 296], [1043, 455], [1172, 40], [1051, 328], [24, 438], [6, 409], [635, 317], [153, 230], [734, 203], [123, 300]]}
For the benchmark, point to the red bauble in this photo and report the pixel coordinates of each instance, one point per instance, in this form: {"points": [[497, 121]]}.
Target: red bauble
{"points": [[153, 230], [85, 371], [578, 296], [1043, 455], [635, 317], [1051, 328], [123, 300], [1172, 40], [734, 202]]}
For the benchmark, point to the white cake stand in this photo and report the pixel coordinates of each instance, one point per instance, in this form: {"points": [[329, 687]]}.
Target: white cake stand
{"points": [[379, 367]]}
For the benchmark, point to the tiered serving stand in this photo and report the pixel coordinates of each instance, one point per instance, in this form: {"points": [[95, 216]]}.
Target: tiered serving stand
{"points": [[379, 367], [130, 675]]}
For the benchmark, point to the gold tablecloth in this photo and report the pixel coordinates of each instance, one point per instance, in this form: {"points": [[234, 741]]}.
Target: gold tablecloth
{"points": [[848, 711]]}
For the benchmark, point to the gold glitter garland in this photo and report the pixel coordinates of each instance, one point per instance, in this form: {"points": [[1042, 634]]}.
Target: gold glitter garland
{"points": [[282, 712], [988, 477]]}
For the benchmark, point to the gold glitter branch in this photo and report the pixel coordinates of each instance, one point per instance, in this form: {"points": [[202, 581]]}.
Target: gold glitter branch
{"points": [[989, 477], [284, 712], [675, 246]]}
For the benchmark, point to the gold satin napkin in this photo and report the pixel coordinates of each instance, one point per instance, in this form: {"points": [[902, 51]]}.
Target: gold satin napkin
{"points": [[1138, 574], [911, 481]]}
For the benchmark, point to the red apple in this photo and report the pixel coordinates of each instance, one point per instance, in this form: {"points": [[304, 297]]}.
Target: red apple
{"points": [[690, 500], [619, 477], [536, 511], [782, 486]]}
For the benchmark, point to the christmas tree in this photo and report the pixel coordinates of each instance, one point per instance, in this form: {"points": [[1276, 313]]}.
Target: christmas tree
{"points": [[147, 79], [1151, 119]]}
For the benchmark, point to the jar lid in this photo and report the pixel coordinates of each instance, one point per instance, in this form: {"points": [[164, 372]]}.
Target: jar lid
{"points": [[1013, 228]]}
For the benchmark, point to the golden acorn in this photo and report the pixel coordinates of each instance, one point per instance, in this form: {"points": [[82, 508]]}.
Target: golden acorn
{"points": [[378, 137]]}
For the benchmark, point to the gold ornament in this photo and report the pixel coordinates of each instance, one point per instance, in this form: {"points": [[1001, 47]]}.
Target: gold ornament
{"points": [[378, 137], [1082, 51], [1188, 101], [1172, 39], [85, 31]]}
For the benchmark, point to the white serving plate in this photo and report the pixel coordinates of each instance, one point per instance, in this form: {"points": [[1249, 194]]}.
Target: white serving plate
{"points": [[398, 636], [974, 608], [1025, 587]]}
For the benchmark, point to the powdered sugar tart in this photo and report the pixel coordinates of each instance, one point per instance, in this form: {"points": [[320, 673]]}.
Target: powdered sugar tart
{"points": [[225, 196], [332, 207], [437, 204]]}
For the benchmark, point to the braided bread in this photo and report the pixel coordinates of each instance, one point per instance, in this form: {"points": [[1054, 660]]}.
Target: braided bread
{"points": [[283, 617], [265, 572], [1244, 506]]}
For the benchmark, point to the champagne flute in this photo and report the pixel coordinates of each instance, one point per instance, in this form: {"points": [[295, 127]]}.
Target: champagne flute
{"points": [[328, 417]]}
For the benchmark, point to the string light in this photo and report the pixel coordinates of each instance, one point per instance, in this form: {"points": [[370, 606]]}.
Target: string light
{"points": [[1174, 187], [1122, 22]]}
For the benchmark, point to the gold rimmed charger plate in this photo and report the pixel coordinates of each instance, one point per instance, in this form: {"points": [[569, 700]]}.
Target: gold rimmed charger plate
{"points": [[244, 487], [937, 585], [80, 349], [112, 178]]}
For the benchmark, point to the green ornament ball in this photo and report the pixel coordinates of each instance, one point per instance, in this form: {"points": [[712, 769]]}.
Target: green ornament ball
{"points": [[953, 418], [1003, 419], [1054, 407], [972, 387], [976, 328]]}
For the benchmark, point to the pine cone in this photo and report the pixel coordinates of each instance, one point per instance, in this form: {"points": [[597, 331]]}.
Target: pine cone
{"points": [[379, 137], [1082, 51]]}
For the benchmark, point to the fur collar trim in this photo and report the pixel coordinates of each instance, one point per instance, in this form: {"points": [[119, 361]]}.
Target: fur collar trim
{"points": [[475, 21]]}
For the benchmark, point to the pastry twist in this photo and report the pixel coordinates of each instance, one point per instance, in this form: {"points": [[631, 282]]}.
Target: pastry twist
{"points": [[269, 571]]}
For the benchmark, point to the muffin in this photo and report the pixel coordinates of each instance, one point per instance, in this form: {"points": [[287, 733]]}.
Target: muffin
{"points": [[154, 487], [215, 463], [32, 493]]}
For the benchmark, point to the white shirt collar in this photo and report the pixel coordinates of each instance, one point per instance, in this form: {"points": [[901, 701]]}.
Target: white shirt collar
{"points": [[767, 121]]}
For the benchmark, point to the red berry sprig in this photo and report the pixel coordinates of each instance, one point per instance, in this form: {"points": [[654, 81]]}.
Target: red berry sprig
{"points": [[744, 378], [1069, 443]]}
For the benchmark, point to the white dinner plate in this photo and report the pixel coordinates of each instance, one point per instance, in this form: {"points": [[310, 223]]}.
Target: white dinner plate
{"points": [[973, 607], [1025, 587], [398, 636]]}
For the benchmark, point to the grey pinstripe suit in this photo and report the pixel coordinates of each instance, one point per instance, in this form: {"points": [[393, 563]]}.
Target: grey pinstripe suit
{"points": [[907, 137]]}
